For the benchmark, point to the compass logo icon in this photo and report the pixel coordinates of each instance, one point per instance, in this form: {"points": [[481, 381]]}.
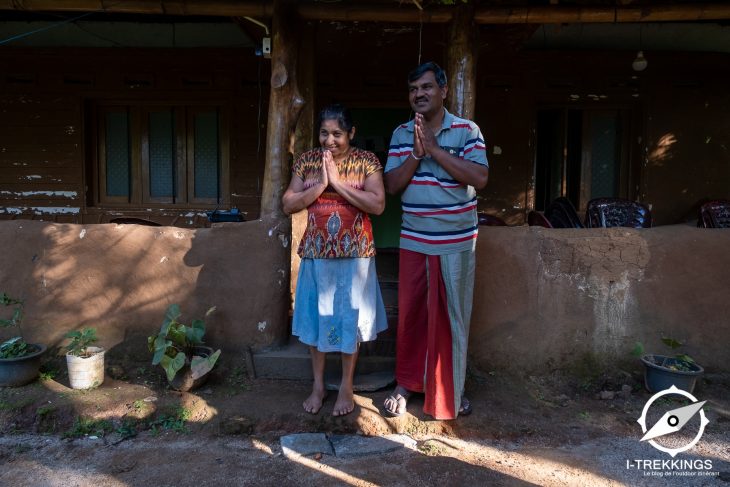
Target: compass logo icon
{"points": [[673, 421]]}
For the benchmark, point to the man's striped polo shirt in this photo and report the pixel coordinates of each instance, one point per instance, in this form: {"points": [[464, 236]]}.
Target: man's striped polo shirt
{"points": [[439, 213]]}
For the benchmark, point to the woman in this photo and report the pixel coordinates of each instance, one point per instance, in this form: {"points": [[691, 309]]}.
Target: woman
{"points": [[338, 302]]}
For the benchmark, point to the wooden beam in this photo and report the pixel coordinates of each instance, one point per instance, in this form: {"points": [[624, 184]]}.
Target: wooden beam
{"points": [[223, 8], [461, 62], [285, 105], [600, 14], [397, 13], [404, 13]]}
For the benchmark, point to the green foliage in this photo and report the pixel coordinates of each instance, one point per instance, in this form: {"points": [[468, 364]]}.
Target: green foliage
{"points": [[16, 346], [127, 429], [89, 427], [173, 347], [683, 361], [17, 316], [671, 343], [80, 341], [172, 421]]}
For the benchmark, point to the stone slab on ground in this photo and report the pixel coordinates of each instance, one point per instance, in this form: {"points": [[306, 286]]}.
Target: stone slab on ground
{"points": [[351, 446], [302, 444]]}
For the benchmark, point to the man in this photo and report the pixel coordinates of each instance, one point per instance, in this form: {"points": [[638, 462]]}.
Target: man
{"points": [[436, 159]]}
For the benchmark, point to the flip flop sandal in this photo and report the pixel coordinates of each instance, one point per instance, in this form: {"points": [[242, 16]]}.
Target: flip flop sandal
{"points": [[397, 398], [466, 409]]}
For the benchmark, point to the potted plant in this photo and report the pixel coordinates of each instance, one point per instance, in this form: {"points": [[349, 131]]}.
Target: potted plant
{"points": [[19, 360], [85, 363], [663, 371], [179, 349]]}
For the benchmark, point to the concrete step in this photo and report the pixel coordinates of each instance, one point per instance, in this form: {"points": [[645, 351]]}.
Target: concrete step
{"points": [[293, 362]]}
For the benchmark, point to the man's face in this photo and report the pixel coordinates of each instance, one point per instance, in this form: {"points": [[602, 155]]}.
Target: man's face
{"points": [[425, 95]]}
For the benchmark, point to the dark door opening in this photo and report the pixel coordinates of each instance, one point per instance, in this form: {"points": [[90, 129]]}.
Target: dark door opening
{"points": [[581, 154]]}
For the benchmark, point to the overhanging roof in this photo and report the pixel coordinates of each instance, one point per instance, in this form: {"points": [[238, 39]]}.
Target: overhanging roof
{"points": [[391, 12]]}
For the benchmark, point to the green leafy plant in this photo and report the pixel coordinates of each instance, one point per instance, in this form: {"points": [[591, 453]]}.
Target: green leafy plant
{"points": [[682, 361], [81, 340], [173, 420], [175, 345], [16, 346], [88, 427]]}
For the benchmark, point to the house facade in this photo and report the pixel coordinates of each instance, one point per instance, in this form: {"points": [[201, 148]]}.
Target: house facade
{"points": [[159, 112]]}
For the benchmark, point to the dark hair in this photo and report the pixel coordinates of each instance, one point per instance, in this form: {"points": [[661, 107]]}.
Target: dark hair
{"points": [[438, 73], [338, 113]]}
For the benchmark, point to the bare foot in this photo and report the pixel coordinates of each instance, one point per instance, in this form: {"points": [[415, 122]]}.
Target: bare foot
{"points": [[395, 404], [313, 403], [345, 403]]}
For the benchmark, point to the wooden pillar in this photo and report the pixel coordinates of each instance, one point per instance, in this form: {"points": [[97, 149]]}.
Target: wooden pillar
{"points": [[285, 105], [461, 62], [304, 135]]}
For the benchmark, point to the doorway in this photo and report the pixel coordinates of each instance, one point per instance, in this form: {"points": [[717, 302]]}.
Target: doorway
{"points": [[581, 154]]}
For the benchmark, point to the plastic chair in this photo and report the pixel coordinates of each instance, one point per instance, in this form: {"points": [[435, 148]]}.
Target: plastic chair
{"points": [[715, 214], [561, 214], [537, 219], [491, 220], [617, 212]]}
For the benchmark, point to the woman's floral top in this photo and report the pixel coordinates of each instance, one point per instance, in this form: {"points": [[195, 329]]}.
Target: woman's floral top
{"points": [[336, 228]]}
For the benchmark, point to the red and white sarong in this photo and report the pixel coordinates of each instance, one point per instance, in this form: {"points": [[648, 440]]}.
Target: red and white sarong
{"points": [[434, 307]]}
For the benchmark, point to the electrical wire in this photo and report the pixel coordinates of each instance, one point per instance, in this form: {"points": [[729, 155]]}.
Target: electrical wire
{"points": [[57, 24]]}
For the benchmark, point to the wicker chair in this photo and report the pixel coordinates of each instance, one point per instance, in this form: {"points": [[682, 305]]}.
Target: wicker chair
{"points": [[537, 219], [715, 214], [617, 212], [561, 214]]}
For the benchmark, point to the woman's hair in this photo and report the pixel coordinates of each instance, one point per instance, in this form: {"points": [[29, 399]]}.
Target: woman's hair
{"points": [[438, 73], [338, 113]]}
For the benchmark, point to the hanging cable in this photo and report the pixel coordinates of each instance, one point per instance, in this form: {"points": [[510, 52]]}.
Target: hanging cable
{"points": [[57, 24]]}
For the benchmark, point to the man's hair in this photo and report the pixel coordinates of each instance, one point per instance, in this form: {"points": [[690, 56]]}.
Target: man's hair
{"points": [[338, 113], [438, 73]]}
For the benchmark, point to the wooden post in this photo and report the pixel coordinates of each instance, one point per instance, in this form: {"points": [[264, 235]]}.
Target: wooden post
{"points": [[304, 136], [285, 105], [461, 62]]}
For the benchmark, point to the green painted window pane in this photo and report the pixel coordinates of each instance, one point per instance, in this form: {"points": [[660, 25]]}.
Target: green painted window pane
{"points": [[117, 154], [206, 155], [604, 156], [162, 154]]}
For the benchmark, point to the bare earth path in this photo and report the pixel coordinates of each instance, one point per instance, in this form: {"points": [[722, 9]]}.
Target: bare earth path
{"points": [[550, 431]]}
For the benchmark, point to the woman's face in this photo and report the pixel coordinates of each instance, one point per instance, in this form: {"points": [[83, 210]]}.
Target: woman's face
{"points": [[335, 139]]}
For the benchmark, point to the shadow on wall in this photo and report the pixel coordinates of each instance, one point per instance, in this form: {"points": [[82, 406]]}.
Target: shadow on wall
{"points": [[121, 278]]}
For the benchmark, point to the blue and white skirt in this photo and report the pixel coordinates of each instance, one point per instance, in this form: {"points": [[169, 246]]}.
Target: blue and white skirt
{"points": [[338, 304]]}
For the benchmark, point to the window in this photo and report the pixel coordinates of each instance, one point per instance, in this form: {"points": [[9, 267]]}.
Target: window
{"points": [[581, 154], [167, 155]]}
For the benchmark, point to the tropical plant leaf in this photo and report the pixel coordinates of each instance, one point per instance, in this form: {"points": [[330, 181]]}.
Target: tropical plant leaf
{"points": [[173, 312], [683, 357], [210, 311], [172, 365], [177, 333], [200, 366], [638, 350], [196, 332], [171, 316], [671, 342], [160, 347]]}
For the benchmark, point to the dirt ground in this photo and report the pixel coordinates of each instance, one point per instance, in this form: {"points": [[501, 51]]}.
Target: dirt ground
{"points": [[556, 429]]}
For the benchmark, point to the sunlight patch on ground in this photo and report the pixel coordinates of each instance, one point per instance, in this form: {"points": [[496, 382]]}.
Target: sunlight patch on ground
{"points": [[339, 475]]}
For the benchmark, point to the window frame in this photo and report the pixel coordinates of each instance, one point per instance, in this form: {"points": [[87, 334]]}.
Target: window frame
{"points": [[138, 119]]}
